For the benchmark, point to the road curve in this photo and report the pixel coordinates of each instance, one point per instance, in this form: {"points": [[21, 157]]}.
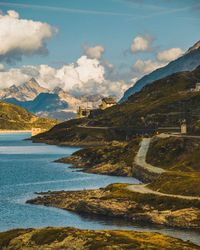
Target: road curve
{"points": [[140, 188], [140, 158]]}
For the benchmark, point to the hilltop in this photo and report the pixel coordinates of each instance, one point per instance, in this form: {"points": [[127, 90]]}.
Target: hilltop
{"points": [[13, 117]]}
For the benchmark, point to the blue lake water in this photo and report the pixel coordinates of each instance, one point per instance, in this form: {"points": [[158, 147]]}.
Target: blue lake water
{"points": [[26, 168]]}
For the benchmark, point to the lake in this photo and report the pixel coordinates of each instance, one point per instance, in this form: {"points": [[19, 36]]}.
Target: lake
{"points": [[26, 168]]}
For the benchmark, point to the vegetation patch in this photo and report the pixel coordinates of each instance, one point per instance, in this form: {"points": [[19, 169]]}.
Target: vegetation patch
{"points": [[175, 154], [114, 158], [90, 239], [13, 117]]}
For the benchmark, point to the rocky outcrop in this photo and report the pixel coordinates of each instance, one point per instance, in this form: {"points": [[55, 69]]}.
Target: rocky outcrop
{"points": [[117, 201]]}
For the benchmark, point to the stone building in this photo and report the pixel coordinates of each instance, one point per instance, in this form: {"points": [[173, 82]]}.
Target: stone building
{"points": [[197, 88], [83, 112], [107, 103]]}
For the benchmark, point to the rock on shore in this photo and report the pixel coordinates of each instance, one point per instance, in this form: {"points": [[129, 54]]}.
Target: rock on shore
{"points": [[116, 201]]}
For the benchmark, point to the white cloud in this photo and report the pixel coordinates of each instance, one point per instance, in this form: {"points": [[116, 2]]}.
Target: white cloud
{"points": [[2, 67], [85, 76], [146, 66], [13, 13], [141, 44], [21, 37], [169, 55], [94, 52]]}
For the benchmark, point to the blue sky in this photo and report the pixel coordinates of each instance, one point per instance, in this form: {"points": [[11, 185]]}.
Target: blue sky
{"points": [[112, 24], [170, 23]]}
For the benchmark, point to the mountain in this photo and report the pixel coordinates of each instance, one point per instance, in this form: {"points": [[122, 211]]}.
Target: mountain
{"points": [[45, 105], [55, 103], [13, 117], [44, 102], [24, 92], [189, 61], [164, 103]]}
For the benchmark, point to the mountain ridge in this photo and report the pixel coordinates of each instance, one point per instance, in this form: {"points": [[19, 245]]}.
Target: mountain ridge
{"points": [[188, 62]]}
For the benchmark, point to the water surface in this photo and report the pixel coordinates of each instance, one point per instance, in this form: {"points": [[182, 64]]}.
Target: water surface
{"points": [[26, 168]]}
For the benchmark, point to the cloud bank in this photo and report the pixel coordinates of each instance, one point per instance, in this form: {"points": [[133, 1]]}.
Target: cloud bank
{"points": [[20, 37], [84, 77]]}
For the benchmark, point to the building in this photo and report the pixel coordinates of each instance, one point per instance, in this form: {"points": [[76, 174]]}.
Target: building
{"points": [[197, 88], [107, 103], [83, 112], [184, 127]]}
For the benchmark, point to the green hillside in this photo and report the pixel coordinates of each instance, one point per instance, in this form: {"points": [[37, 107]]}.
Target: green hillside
{"points": [[163, 103], [13, 117]]}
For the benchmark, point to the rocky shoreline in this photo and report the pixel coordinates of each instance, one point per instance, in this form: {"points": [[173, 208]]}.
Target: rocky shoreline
{"points": [[114, 158], [117, 201]]}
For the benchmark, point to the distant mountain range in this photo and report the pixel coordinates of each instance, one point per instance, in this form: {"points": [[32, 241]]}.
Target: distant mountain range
{"points": [[44, 102], [189, 61], [25, 92], [54, 103]]}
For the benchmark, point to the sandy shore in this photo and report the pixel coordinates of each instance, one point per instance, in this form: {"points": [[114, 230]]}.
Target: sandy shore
{"points": [[14, 131]]}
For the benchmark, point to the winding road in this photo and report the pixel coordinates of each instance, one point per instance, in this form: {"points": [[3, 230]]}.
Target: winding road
{"points": [[143, 189], [140, 160]]}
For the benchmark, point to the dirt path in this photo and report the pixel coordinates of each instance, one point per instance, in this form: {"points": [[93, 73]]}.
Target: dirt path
{"points": [[140, 158], [140, 188]]}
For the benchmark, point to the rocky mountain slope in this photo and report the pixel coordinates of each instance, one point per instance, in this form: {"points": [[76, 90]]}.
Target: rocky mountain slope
{"points": [[189, 61], [24, 92], [13, 117], [46, 105]]}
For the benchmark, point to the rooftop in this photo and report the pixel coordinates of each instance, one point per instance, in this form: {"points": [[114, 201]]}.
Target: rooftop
{"points": [[109, 100]]}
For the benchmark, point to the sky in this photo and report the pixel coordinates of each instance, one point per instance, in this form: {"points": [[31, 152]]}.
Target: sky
{"points": [[92, 46]]}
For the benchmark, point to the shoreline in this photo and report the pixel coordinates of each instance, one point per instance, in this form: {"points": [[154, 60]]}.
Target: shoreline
{"points": [[14, 131], [117, 201]]}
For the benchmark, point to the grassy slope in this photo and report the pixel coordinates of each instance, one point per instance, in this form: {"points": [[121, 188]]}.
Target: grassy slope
{"points": [[143, 110], [71, 238], [13, 117], [181, 157]]}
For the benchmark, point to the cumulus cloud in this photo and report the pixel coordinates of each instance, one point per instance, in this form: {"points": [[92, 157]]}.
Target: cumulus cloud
{"points": [[94, 52], [20, 37], [146, 66], [2, 67], [84, 77], [169, 55], [141, 44]]}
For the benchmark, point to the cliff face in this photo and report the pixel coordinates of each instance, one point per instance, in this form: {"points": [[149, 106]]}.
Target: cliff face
{"points": [[72, 238], [188, 62]]}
